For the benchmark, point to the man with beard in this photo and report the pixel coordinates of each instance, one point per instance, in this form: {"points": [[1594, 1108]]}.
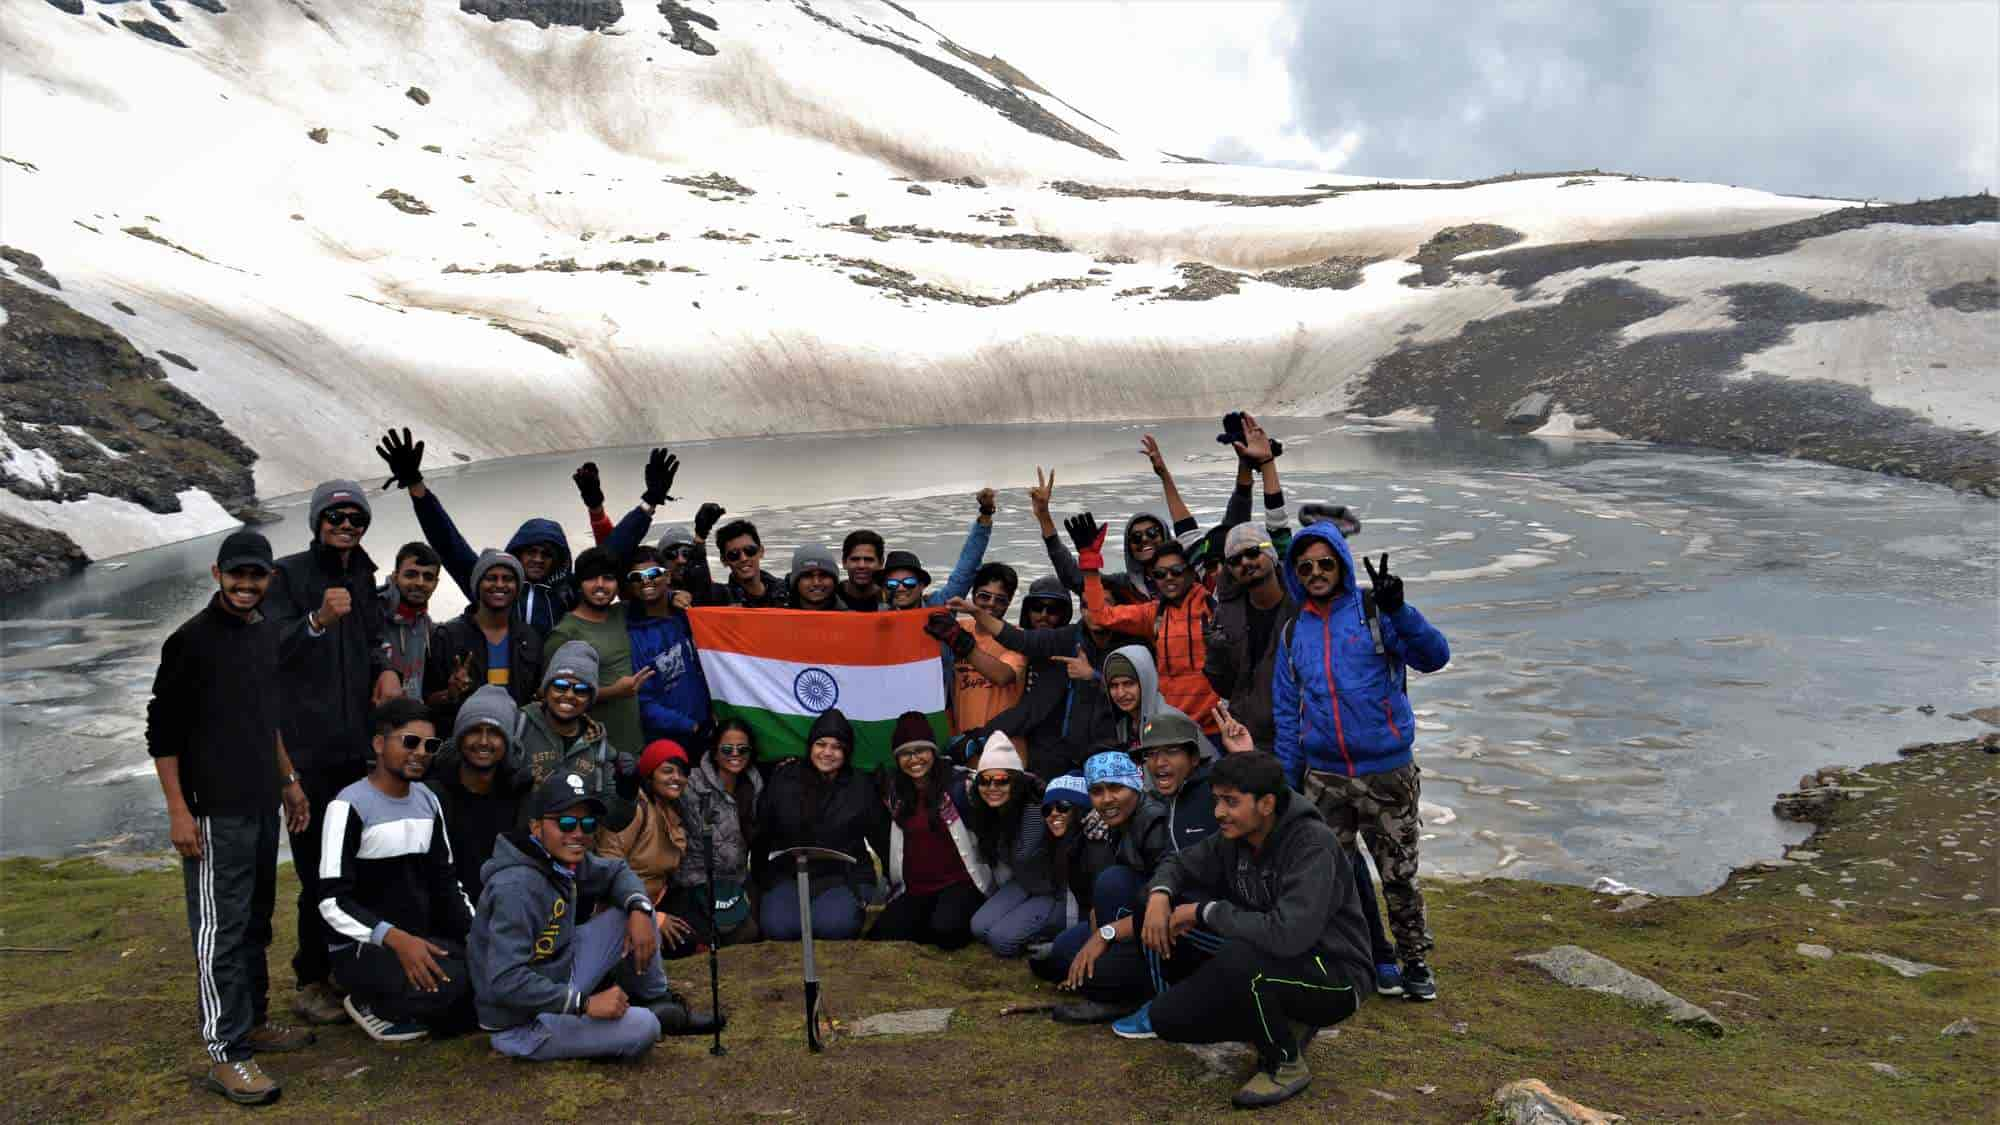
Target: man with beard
{"points": [[1242, 641], [389, 890], [1175, 625], [488, 644], [477, 785], [539, 545], [601, 621], [331, 670], [404, 602]]}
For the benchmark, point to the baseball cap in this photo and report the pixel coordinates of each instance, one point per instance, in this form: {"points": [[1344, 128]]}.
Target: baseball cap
{"points": [[243, 548], [563, 791]]}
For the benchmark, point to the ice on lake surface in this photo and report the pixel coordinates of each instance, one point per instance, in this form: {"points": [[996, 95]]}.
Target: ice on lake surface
{"points": [[1648, 645]]}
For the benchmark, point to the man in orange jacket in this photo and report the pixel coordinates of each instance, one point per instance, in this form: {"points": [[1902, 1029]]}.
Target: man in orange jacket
{"points": [[1176, 625]]}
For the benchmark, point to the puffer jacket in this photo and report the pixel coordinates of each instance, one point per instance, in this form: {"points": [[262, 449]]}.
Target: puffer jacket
{"points": [[847, 814], [711, 807], [522, 944], [539, 751], [1339, 706]]}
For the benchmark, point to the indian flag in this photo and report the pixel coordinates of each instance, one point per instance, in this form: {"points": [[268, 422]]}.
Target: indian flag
{"points": [[778, 669]]}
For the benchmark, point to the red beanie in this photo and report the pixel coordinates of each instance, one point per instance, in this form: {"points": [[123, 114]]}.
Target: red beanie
{"points": [[661, 750]]}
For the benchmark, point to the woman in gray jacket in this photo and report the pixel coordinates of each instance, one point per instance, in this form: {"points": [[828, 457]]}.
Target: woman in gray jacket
{"points": [[721, 805]]}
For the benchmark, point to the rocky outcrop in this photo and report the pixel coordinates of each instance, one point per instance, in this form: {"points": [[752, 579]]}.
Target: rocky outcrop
{"points": [[682, 19], [29, 555], [1529, 1101], [590, 15], [1435, 255], [77, 391], [1969, 296]]}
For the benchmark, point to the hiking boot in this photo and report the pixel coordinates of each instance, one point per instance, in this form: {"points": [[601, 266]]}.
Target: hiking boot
{"points": [[318, 1004], [1269, 1087], [1138, 1025], [275, 1039], [1388, 979], [1090, 1011], [1418, 983], [244, 1083], [382, 1030], [678, 1017]]}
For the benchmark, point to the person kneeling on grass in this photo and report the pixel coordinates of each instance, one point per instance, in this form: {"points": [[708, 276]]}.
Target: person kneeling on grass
{"points": [[1273, 882], [547, 986], [390, 893], [1008, 822], [937, 880]]}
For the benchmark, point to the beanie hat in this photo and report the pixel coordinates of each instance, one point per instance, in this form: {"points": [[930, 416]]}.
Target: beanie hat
{"points": [[490, 558], [1000, 754], [336, 494], [676, 537], [912, 729], [659, 751], [576, 660], [489, 706], [832, 724], [1069, 789], [1242, 537], [1113, 767], [596, 562], [811, 557], [1119, 664]]}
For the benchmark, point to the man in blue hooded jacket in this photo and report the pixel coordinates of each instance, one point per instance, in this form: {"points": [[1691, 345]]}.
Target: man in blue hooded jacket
{"points": [[1344, 723]]}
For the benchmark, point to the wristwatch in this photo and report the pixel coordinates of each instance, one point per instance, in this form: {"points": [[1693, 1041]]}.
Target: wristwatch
{"points": [[642, 905], [1108, 933], [291, 779]]}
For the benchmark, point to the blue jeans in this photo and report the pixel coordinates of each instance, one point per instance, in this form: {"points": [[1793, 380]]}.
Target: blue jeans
{"points": [[600, 955], [1013, 918], [837, 913]]}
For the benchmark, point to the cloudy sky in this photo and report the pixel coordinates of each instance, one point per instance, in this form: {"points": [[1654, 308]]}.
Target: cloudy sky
{"points": [[1853, 98]]}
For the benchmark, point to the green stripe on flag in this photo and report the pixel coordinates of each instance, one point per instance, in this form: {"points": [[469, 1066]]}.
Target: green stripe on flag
{"points": [[784, 736]]}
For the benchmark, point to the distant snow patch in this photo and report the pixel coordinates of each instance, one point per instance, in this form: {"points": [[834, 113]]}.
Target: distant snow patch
{"points": [[1576, 427], [104, 526]]}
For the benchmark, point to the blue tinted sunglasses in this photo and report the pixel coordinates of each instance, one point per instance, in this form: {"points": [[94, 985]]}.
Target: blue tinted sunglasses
{"points": [[909, 583], [573, 823]]}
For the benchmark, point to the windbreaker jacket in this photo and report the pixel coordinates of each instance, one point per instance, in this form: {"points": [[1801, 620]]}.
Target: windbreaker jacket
{"points": [[1339, 706], [523, 931], [1239, 675]]}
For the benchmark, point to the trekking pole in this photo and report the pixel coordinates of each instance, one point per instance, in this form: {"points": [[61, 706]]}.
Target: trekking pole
{"points": [[799, 857], [714, 941]]}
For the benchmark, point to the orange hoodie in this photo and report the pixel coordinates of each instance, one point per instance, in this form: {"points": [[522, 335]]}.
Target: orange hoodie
{"points": [[1179, 637]]}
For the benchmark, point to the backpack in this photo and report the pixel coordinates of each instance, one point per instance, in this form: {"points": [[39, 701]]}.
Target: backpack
{"points": [[1374, 618]]}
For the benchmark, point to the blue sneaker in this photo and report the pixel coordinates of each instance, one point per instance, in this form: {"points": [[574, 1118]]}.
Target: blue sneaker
{"points": [[1138, 1025], [1388, 979]]}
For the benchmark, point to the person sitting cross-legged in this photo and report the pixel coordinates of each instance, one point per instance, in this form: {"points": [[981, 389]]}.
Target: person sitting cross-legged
{"points": [[549, 987], [1273, 883]]}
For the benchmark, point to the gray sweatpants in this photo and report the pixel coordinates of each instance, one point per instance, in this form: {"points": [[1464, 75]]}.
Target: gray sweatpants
{"points": [[231, 890], [599, 956]]}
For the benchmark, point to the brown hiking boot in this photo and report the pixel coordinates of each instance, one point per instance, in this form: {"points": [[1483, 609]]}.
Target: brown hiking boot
{"points": [[317, 1004], [244, 1083], [276, 1038]]}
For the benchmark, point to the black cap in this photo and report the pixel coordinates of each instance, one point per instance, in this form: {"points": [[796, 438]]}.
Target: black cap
{"points": [[906, 560], [561, 791], [244, 548]]}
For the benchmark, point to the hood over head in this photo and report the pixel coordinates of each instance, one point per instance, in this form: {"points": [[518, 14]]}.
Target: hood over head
{"points": [[1049, 588], [1148, 676], [546, 533], [1305, 537], [1133, 570], [830, 723]]}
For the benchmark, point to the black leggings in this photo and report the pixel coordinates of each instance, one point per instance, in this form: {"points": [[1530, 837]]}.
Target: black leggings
{"points": [[943, 919], [1243, 996]]}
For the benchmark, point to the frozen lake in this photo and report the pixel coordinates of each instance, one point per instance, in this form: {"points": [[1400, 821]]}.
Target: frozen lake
{"points": [[1648, 645]]}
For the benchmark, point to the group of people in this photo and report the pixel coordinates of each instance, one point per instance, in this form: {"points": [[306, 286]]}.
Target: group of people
{"points": [[509, 820]]}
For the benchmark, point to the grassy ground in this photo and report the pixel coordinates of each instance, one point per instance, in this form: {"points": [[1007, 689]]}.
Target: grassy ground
{"points": [[106, 1032]]}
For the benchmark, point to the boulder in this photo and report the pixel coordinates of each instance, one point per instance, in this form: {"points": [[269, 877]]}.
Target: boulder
{"points": [[1529, 1101], [1530, 410], [915, 1021], [1578, 967], [918, 189], [1960, 1028], [1817, 952], [418, 95]]}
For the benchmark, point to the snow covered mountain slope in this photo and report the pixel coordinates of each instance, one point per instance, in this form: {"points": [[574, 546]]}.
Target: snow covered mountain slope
{"points": [[671, 220]]}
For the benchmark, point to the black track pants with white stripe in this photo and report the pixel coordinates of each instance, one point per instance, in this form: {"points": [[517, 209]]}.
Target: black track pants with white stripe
{"points": [[1244, 996], [230, 892]]}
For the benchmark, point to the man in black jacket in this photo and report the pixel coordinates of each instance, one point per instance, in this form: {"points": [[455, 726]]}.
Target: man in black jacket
{"points": [[1250, 614], [212, 730], [1064, 713], [487, 644], [332, 668], [1273, 883]]}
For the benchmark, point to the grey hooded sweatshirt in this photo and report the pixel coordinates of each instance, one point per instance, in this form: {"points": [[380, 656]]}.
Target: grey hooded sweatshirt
{"points": [[522, 942]]}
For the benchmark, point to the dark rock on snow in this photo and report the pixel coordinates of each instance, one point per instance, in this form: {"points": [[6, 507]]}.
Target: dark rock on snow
{"points": [[30, 266], [30, 554], [147, 29], [73, 7], [590, 15], [682, 19]]}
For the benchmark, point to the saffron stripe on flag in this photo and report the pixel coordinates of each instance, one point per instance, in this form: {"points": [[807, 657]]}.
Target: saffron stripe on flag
{"points": [[811, 637]]}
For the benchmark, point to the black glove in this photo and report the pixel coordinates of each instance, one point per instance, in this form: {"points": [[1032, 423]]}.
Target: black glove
{"points": [[1089, 540], [704, 519], [406, 461], [588, 486], [661, 468], [945, 627], [1232, 428], [1388, 587]]}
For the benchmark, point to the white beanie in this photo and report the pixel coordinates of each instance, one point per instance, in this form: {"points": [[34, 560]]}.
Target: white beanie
{"points": [[999, 754]]}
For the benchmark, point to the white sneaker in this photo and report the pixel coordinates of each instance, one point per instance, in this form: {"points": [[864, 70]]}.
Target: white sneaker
{"points": [[379, 1029]]}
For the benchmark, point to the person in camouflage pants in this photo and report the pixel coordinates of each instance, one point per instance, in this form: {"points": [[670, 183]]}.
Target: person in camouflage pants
{"points": [[1381, 808]]}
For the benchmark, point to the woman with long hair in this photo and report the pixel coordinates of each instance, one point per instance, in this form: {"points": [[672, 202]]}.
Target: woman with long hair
{"points": [[820, 800], [721, 805], [1007, 821], [937, 879]]}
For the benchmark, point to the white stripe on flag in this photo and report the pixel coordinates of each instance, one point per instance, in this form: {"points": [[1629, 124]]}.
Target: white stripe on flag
{"points": [[866, 692]]}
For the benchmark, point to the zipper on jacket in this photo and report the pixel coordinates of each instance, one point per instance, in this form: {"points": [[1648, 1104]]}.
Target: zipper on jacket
{"points": [[1390, 716]]}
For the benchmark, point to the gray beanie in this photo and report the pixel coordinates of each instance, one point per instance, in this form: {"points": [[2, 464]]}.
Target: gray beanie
{"points": [[490, 558], [336, 494], [576, 660], [676, 536], [812, 558], [490, 705]]}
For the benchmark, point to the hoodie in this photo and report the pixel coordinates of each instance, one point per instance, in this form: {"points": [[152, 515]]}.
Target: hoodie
{"points": [[845, 812], [1293, 897], [674, 702], [1130, 726], [523, 934], [1177, 631], [543, 603], [1339, 706]]}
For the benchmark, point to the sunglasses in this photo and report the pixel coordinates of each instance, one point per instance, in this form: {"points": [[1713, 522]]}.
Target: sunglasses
{"points": [[738, 554], [572, 687], [733, 749], [986, 597], [1171, 570], [679, 551], [917, 752], [910, 583], [346, 517], [1002, 782], [568, 824], [1148, 534], [1306, 568], [1246, 557], [649, 574], [429, 745]]}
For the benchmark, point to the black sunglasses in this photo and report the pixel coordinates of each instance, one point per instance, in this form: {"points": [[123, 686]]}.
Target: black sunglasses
{"points": [[733, 749], [346, 517], [573, 687], [1247, 556], [910, 583], [649, 574], [679, 551], [572, 823], [1306, 567], [1171, 570], [430, 745], [996, 782], [738, 554], [1148, 534]]}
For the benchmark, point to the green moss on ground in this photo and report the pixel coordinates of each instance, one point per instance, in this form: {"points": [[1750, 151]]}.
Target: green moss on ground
{"points": [[106, 1032]]}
